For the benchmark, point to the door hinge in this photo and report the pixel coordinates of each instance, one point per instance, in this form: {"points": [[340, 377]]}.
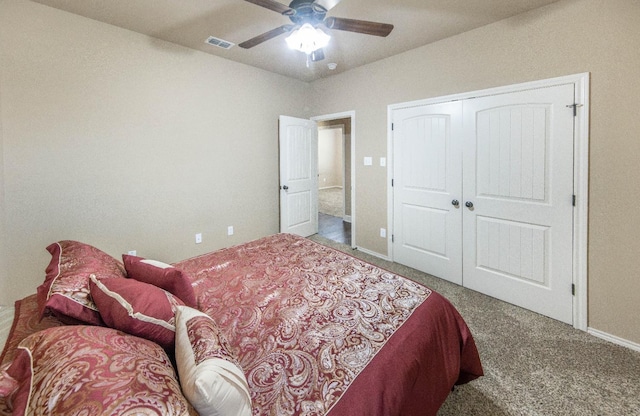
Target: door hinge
{"points": [[573, 289], [573, 200], [392, 183], [392, 126], [575, 108], [392, 238]]}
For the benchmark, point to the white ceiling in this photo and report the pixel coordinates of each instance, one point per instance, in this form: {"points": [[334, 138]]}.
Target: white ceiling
{"points": [[190, 23]]}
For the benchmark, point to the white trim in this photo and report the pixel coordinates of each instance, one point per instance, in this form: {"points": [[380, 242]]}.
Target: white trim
{"points": [[31, 379], [614, 339], [347, 218], [581, 190], [344, 176], [531, 85], [373, 253], [352, 116], [580, 173], [389, 180]]}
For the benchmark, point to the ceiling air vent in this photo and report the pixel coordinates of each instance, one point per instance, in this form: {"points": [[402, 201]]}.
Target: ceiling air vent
{"points": [[220, 43]]}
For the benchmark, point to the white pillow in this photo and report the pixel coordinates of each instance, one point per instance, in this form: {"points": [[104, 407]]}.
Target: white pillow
{"points": [[210, 376]]}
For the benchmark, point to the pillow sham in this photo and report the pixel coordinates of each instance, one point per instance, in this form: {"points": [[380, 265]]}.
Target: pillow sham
{"points": [[137, 308], [93, 370], [211, 377], [65, 291], [160, 274]]}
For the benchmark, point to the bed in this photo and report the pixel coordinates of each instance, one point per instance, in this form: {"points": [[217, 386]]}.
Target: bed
{"points": [[282, 325]]}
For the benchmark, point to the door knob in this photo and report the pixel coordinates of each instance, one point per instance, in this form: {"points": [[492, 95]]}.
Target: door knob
{"points": [[455, 203], [468, 204], [285, 187]]}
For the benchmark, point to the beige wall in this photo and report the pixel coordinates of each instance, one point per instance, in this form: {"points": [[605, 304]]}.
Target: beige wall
{"points": [[330, 157], [345, 124], [3, 268], [567, 37], [126, 142]]}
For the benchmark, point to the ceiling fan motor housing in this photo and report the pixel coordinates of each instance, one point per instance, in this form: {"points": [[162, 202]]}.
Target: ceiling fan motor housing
{"points": [[306, 11], [313, 13]]}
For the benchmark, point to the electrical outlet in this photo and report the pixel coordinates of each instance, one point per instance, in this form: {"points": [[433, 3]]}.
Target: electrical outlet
{"points": [[198, 238], [132, 253], [230, 230], [383, 232]]}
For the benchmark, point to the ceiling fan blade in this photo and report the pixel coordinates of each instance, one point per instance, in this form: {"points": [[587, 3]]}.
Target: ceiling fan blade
{"points": [[327, 4], [317, 55], [265, 36], [272, 5], [359, 26]]}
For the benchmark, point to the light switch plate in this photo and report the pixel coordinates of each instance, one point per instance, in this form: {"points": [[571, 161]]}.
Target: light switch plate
{"points": [[368, 161]]}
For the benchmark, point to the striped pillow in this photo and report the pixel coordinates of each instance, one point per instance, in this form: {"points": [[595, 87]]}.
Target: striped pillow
{"points": [[137, 308], [160, 274]]}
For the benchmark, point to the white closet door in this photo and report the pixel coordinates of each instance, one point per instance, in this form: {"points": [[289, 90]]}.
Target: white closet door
{"points": [[298, 176], [427, 179], [518, 174]]}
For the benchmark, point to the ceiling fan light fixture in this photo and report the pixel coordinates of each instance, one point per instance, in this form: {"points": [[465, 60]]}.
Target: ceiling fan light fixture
{"points": [[307, 39]]}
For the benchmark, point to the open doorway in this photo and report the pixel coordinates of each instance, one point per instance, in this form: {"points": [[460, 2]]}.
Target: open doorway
{"points": [[335, 185]]}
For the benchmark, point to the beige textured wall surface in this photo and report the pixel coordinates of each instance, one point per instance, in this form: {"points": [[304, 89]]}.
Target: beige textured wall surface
{"points": [[3, 268], [568, 37], [345, 123], [129, 143], [126, 142], [330, 157]]}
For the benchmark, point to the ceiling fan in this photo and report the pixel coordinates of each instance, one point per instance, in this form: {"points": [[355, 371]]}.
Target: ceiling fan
{"points": [[309, 17]]}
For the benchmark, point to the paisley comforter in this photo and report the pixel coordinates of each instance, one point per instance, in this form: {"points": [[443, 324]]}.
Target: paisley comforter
{"points": [[319, 332]]}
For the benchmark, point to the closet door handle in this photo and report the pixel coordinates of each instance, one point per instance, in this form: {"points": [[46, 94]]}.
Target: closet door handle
{"points": [[468, 204], [285, 187], [455, 203]]}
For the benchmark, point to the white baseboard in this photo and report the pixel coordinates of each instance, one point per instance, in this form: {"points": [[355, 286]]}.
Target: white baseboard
{"points": [[373, 253], [612, 338], [330, 187]]}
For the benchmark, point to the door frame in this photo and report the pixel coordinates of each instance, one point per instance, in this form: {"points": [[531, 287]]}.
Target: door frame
{"points": [[580, 173], [352, 116]]}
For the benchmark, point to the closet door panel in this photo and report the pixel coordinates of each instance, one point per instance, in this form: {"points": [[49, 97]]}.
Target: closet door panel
{"points": [[518, 174], [427, 178]]}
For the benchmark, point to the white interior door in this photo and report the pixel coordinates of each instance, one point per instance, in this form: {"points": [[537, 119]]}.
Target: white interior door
{"points": [[518, 174], [298, 176], [427, 189]]}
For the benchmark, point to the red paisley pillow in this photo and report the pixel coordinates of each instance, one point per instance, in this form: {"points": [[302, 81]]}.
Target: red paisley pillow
{"points": [[65, 291], [137, 308], [163, 275], [93, 371]]}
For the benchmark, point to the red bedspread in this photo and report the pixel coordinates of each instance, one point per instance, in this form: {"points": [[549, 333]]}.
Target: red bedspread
{"points": [[319, 332]]}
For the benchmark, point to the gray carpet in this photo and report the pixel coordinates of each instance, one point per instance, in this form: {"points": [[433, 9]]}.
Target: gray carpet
{"points": [[533, 365], [331, 201]]}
